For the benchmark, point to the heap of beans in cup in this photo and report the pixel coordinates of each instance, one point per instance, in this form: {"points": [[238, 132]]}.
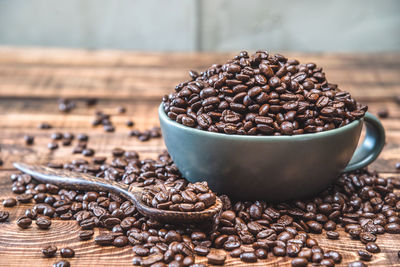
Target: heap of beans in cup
{"points": [[261, 94], [361, 203]]}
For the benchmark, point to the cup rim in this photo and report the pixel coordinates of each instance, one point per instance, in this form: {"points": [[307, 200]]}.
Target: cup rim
{"points": [[163, 116]]}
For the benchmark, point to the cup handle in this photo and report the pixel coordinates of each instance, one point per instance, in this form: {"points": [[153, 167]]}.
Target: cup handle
{"points": [[372, 145]]}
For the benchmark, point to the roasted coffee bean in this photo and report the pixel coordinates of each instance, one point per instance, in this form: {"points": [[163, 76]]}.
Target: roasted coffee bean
{"points": [[9, 202], [392, 228], [104, 239], [299, 262], [327, 262], [44, 125], [24, 222], [62, 263], [334, 255], [364, 255], [49, 251], [261, 253], [248, 257], [279, 251], [43, 223], [67, 252], [152, 259], [372, 247], [56, 136], [366, 237], [52, 145], [315, 226], [216, 257], [201, 250], [88, 152], [86, 235], [120, 241], [383, 113], [332, 235], [29, 139], [24, 198]]}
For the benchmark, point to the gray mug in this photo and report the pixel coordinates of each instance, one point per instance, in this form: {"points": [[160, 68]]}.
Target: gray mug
{"points": [[272, 168]]}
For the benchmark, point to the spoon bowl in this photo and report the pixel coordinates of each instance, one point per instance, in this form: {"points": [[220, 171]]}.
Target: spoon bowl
{"points": [[82, 181]]}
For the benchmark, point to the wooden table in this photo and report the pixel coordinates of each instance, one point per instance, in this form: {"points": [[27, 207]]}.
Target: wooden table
{"points": [[32, 80]]}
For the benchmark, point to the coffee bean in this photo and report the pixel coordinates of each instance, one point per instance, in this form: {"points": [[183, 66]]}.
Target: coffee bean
{"points": [[332, 235], [315, 226], [216, 258], [24, 222], [29, 139], [372, 247], [86, 235], [67, 252], [44, 125], [327, 262], [43, 223], [392, 228], [24, 198], [248, 257], [279, 251], [104, 239], [52, 145], [366, 237], [201, 250], [364, 256], [88, 152], [383, 113], [120, 241], [62, 263], [49, 251], [109, 128], [152, 259], [56, 136], [261, 253], [4, 215], [9, 202], [299, 262]]}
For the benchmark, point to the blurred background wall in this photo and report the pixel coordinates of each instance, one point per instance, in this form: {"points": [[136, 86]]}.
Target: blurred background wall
{"points": [[203, 25]]}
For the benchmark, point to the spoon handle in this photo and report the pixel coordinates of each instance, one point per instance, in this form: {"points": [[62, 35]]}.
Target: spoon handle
{"points": [[75, 180]]}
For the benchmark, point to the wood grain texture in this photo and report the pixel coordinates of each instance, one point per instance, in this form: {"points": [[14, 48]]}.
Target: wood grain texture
{"points": [[31, 81]]}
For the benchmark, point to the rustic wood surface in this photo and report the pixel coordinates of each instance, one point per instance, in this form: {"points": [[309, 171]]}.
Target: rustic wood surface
{"points": [[31, 81]]}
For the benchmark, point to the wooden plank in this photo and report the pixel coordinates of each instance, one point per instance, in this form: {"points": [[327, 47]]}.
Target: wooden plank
{"points": [[73, 57], [112, 74]]}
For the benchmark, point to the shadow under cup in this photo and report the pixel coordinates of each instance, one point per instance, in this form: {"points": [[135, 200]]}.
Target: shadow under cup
{"points": [[272, 168]]}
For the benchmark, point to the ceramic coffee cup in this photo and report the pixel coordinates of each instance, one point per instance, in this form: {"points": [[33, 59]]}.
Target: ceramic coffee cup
{"points": [[272, 168]]}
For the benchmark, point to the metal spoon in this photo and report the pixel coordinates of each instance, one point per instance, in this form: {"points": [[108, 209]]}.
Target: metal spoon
{"points": [[82, 181]]}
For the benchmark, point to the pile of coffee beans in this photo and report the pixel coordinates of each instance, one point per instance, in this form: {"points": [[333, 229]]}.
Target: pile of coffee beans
{"points": [[179, 196], [261, 94], [363, 204]]}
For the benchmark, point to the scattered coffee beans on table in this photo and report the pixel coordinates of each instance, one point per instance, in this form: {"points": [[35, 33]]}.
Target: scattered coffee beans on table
{"points": [[361, 203], [261, 94]]}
